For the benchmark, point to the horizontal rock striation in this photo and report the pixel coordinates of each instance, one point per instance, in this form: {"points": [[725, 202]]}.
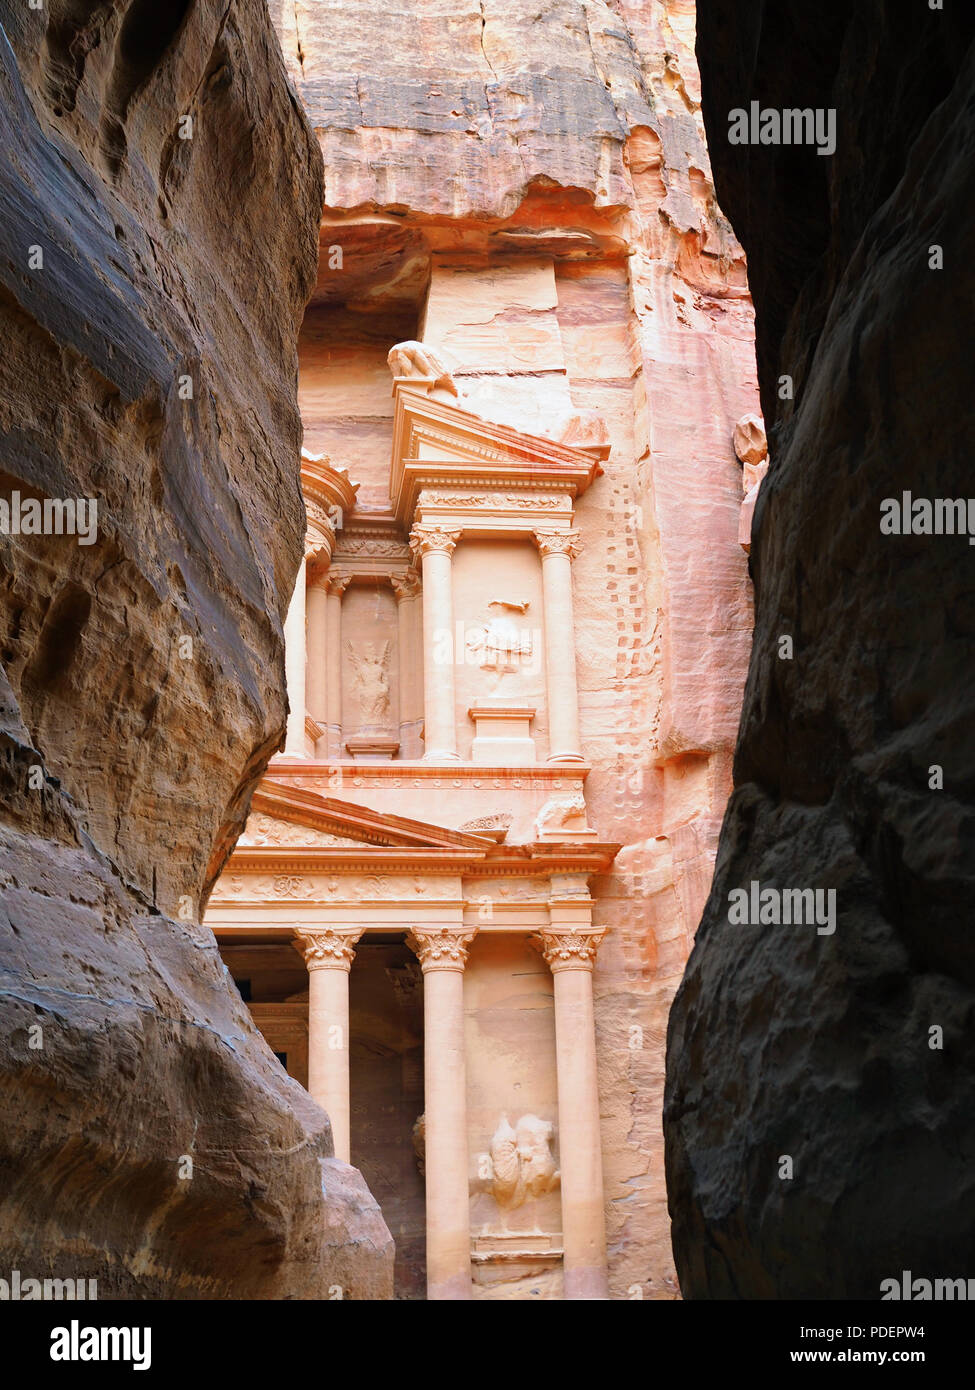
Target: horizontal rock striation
{"points": [[850, 1052], [159, 202]]}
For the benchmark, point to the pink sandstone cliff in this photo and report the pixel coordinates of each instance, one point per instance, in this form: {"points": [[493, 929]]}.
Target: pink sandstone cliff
{"points": [[527, 188]]}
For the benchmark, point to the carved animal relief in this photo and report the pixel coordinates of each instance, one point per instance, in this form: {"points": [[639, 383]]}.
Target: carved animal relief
{"points": [[522, 1159]]}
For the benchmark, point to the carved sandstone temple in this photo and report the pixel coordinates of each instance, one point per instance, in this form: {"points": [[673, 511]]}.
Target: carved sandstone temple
{"points": [[428, 817], [515, 655]]}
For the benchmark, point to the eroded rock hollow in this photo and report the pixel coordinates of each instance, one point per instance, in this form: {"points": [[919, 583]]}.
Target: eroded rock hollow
{"points": [[160, 196], [848, 1052]]}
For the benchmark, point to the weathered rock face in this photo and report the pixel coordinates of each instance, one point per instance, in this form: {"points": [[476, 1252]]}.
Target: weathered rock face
{"points": [[526, 189], [785, 1041], [159, 200]]}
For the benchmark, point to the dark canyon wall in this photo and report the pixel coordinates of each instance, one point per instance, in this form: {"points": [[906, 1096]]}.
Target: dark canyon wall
{"points": [[784, 1041], [153, 275]]}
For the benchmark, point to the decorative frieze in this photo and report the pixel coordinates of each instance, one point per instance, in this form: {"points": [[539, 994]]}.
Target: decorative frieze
{"points": [[517, 501], [373, 547]]}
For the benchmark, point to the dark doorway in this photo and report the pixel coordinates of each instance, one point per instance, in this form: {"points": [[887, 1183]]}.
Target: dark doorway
{"points": [[386, 1075]]}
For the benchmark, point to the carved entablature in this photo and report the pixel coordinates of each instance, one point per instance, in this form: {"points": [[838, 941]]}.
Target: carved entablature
{"points": [[488, 509], [334, 889], [373, 551]]}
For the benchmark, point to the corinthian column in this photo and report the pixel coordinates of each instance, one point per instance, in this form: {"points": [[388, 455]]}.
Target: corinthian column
{"points": [[337, 585], [443, 955], [558, 549], [328, 953], [407, 590], [294, 665], [316, 697], [435, 547], [570, 955]]}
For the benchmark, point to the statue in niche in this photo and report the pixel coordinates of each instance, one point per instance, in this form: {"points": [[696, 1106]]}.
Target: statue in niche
{"points": [[522, 1160], [371, 671]]}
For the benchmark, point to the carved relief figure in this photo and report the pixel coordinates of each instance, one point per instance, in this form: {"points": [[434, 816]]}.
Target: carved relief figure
{"points": [[522, 1160], [499, 644], [562, 812], [371, 683]]}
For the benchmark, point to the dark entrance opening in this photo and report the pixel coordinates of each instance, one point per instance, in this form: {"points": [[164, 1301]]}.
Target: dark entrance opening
{"points": [[386, 1075]]}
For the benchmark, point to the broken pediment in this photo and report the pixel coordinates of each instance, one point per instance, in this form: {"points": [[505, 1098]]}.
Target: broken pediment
{"points": [[306, 819], [262, 830], [439, 446]]}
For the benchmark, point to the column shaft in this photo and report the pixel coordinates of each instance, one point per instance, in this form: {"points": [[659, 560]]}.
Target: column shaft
{"points": [[570, 955], [407, 589], [317, 649], [440, 733], [557, 549], [328, 955], [442, 956], [328, 1051], [580, 1144], [333, 666]]}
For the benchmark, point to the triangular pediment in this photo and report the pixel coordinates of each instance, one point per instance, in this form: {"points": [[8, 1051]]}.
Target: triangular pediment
{"points": [[288, 816], [437, 443], [271, 832]]}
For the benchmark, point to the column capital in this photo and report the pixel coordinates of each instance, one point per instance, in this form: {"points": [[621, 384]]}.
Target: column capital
{"points": [[441, 948], [568, 949], [558, 543], [405, 585], [318, 578], [427, 539], [327, 948], [338, 583]]}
